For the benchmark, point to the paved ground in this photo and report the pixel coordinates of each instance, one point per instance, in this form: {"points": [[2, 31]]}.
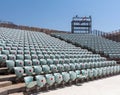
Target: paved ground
{"points": [[106, 86]]}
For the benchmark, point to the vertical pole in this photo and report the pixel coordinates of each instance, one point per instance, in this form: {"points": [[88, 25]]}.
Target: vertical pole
{"points": [[72, 30]]}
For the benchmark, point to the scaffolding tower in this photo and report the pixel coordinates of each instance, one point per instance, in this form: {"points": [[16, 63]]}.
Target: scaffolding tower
{"points": [[81, 24]]}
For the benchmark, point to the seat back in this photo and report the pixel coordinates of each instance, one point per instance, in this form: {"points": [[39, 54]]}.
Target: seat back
{"points": [[38, 70], [29, 70], [58, 78], [10, 64], [73, 75], [41, 81], [50, 79], [46, 68], [19, 71], [66, 76]]}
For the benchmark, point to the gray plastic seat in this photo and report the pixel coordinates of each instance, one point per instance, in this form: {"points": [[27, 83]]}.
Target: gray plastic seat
{"points": [[1, 48], [38, 70], [29, 82], [34, 56], [26, 48], [57, 56], [46, 56], [19, 63], [118, 68], [60, 67], [41, 81], [77, 66], [20, 52], [3, 58], [10, 64], [66, 76], [100, 72], [52, 56], [62, 56], [55, 61], [53, 68], [72, 66], [27, 56], [73, 75], [67, 56], [72, 60], [19, 71], [61, 61], [43, 62], [58, 78], [114, 68], [111, 69], [46, 69], [28, 70], [108, 70], [104, 71], [82, 65], [79, 75], [13, 48], [20, 48], [32, 51], [66, 67], [40, 56], [89, 73], [39, 52], [13, 52], [19, 57], [43, 51], [66, 61], [11, 57], [35, 62], [6, 52], [95, 73], [49, 61], [28, 62], [84, 74], [50, 79], [26, 52]]}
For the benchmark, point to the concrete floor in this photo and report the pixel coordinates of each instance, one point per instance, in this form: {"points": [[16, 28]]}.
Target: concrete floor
{"points": [[106, 86]]}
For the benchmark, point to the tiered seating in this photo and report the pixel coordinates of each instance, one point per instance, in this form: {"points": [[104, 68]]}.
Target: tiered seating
{"points": [[45, 61], [96, 43]]}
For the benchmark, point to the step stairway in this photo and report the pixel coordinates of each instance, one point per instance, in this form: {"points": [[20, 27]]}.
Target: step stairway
{"points": [[5, 83], [14, 88], [8, 84]]}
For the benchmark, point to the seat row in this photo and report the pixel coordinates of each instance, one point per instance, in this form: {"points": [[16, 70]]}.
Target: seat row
{"points": [[51, 56], [46, 69], [96, 43], [77, 62], [68, 77], [37, 51]]}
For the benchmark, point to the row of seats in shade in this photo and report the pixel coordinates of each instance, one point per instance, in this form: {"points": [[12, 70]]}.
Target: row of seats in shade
{"points": [[96, 43], [70, 76]]}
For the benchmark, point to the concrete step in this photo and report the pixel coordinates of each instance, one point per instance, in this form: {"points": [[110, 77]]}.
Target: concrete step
{"points": [[10, 77], [5, 83], [21, 93], [3, 70], [15, 88], [3, 91]]}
